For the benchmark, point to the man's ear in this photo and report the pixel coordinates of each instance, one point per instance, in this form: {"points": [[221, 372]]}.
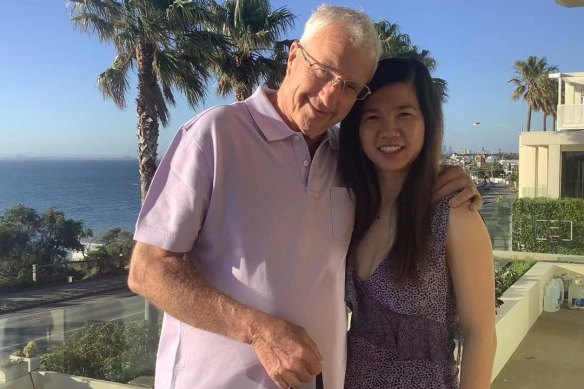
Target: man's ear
{"points": [[292, 56]]}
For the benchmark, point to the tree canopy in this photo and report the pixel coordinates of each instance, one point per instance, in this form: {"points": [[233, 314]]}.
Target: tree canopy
{"points": [[533, 85], [171, 45], [255, 52], [27, 237], [394, 43]]}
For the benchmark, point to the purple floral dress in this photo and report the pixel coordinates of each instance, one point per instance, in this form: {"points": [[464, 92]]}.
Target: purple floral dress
{"points": [[404, 336]]}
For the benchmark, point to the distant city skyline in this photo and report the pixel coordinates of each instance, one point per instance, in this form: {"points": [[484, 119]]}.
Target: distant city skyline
{"points": [[50, 105]]}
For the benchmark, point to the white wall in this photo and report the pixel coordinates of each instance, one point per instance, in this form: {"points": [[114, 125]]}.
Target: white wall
{"points": [[540, 160], [52, 380], [523, 303]]}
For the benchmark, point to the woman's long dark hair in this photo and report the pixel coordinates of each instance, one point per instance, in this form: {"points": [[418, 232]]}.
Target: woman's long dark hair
{"points": [[414, 206]]}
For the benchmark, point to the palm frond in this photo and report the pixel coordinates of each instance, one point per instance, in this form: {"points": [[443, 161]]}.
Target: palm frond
{"points": [[92, 23], [164, 64], [441, 88], [104, 9], [252, 29], [278, 64], [532, 82], [279, 21], [126, 40], [113, 82], [203, 44], [186, 15], [393, 42], [176, 69]]}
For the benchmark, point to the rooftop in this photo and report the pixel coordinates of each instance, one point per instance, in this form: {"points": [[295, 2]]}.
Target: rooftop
{"points": [[550, 356]]}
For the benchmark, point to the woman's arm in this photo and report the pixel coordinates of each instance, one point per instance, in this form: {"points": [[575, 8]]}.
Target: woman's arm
{"points": [[470, 258]]}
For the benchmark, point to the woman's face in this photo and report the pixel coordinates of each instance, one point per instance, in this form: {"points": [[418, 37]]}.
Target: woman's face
{"points": [[392, 127]]}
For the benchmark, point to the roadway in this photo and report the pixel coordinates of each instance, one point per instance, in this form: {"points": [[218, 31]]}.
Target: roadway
{"points": [[51, 322], [497, 224]]}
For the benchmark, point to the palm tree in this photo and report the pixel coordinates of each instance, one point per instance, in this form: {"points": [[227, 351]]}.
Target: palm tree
{"points": [[254, 30], [165, 42], [549, 100], [394, 43], [280, 58], [530, 81]]}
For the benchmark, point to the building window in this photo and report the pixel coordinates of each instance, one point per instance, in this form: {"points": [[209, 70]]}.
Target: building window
{"points": [[573, 174]]}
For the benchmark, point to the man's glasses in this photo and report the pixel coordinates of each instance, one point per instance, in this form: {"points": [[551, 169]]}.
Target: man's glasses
{"points": [[326, 75]]}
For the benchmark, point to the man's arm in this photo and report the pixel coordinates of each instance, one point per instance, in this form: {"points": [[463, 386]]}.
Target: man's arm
{"points": [[453, 179], [166, 279]]}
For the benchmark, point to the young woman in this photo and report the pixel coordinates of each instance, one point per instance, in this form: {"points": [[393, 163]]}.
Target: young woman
{"points": [[420, 274]]}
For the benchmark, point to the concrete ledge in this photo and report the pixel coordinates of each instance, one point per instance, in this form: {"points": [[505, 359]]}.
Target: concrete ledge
{"points": [[519, 255], [522, 305], [53, 380]]}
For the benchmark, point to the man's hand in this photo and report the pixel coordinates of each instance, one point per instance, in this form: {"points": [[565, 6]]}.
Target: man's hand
{"points": [[286, 351], [289, 356], [453, 179]]}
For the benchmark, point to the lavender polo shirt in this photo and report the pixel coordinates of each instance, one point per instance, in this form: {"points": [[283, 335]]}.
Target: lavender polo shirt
{"points": [[264, 223]]}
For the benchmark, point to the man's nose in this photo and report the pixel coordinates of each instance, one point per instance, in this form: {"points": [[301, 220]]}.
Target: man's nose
{"points": [[329, 94]]}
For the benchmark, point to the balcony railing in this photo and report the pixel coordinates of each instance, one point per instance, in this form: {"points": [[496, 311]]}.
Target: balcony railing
{"points": [[571, 117]]}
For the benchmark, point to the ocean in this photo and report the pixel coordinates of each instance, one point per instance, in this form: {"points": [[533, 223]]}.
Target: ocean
{"points": [[103, 193]]}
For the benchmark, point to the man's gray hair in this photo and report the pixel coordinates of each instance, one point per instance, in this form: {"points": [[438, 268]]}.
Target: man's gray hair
{"points": [[358, 26]]}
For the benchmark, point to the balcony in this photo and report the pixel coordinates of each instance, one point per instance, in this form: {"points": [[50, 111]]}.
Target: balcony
{"points": [[571, 117]]}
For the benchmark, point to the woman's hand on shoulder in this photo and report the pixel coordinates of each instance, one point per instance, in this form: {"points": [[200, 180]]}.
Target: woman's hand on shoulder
{"points": [[453, 179]]}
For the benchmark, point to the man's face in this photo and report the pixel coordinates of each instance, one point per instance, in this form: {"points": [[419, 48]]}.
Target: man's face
{"points": [[312, 105]]}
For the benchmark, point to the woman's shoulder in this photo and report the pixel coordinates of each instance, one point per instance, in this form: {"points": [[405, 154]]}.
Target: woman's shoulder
{"points": [[441, 215], [466, 229]]}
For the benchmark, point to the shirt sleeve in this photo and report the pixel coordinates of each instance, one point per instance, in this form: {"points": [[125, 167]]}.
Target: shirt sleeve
{"points": [[178, 199]]}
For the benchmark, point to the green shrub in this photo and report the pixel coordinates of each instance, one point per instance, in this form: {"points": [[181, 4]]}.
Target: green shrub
{"points": [[508, 274], [24, 276], [112, 351], [31, 349], [527, 210]]}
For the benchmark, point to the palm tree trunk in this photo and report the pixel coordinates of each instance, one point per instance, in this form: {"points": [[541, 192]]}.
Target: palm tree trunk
{"points": [[147, 121], [528, 118], [147, 137], [147, 145], [239, 94], [545, 122], [242, 92]]}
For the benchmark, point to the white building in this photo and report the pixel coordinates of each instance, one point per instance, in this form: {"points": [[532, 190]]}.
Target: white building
{"points": [[510, 166], [73, 255], [551, 164]]}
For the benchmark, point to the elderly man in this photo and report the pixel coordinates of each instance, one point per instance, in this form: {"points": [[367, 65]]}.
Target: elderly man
{"points": [[243, 235]]}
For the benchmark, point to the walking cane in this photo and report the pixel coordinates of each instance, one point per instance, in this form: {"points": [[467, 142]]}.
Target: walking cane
{"points": [[319, 384]]}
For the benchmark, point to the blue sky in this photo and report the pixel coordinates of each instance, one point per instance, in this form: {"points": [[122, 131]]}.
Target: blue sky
{"points": [[50, 104]]}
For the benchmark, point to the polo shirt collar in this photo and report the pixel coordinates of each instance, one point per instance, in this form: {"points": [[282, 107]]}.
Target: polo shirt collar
{"points": [[266, 117], [270, 122]]}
